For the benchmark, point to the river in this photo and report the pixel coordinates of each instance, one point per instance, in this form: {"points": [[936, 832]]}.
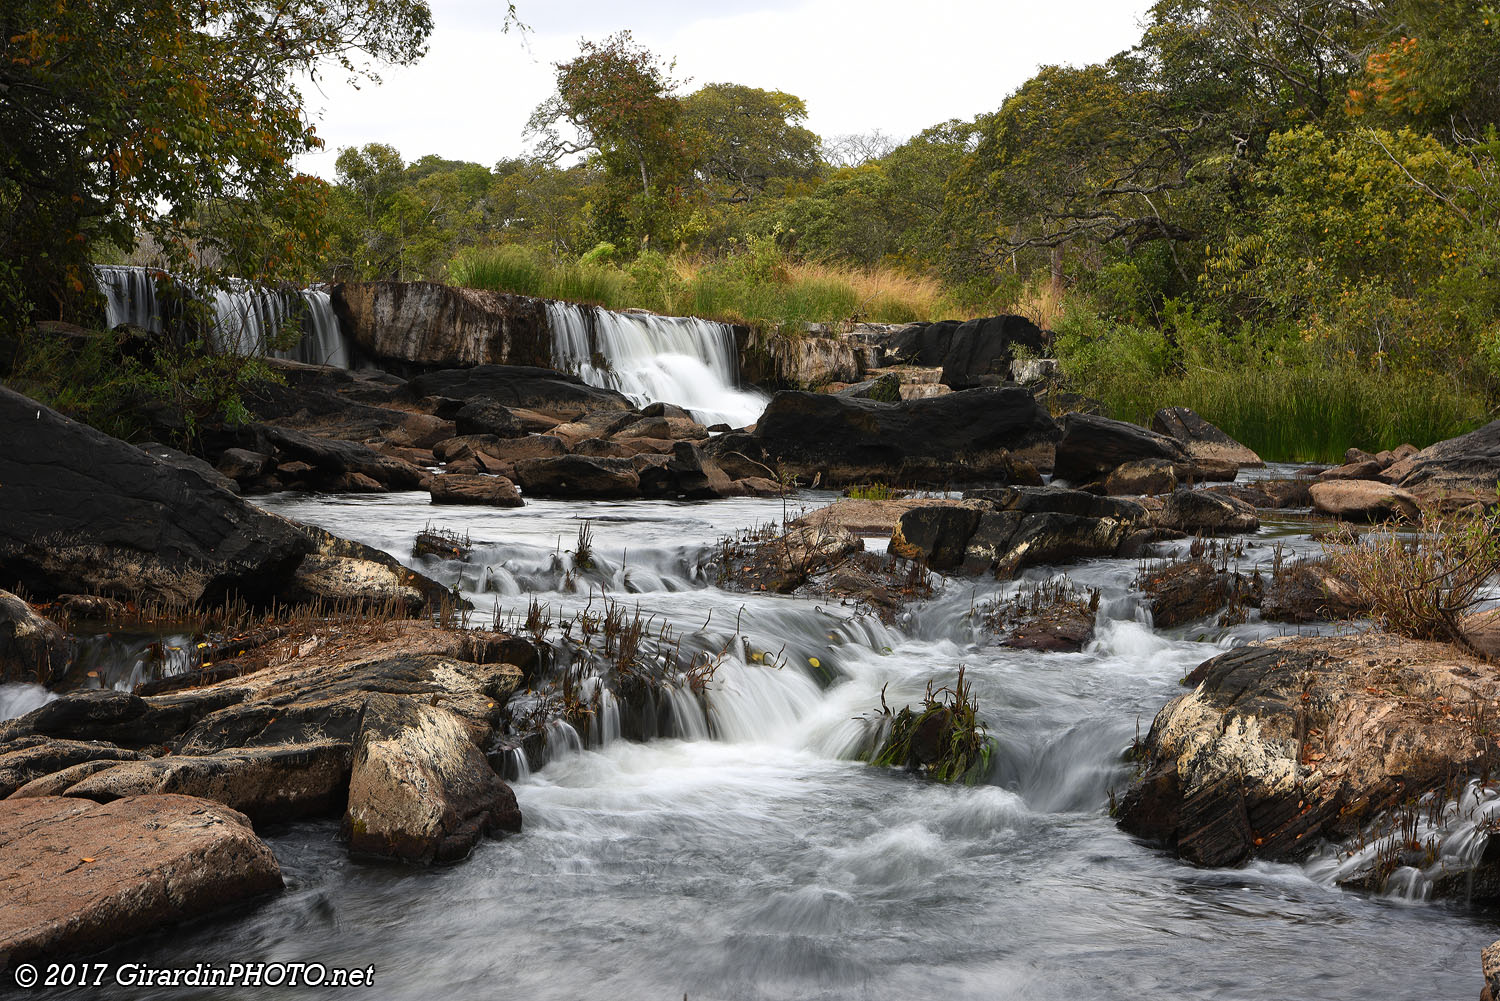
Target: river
{"points": [[761, 863]]}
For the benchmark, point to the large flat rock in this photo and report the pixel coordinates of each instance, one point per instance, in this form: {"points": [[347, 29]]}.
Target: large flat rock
{"points": [[78, 876]]}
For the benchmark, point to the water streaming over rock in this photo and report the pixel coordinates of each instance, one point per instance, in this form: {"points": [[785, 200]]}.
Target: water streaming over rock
{"points": [[746, 856], [129, 297], [245, 317], [687, 361]]}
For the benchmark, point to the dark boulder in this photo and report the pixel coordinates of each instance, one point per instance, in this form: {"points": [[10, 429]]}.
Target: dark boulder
{"points": [[1468, 463], [244, 466], [1271, 494], [519, 386], [334, 462], [1202, 440], [971, 353], [1368, 469], [84, 513], [482, 416], [697, 477], [1093, 446], [1005, 529], [740, 467], [190, 464], [938, 534], [960, 437], [579, 476], [1199, 512]]}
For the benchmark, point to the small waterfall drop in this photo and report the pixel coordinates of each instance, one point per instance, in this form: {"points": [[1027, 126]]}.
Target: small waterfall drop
{"points": [[129, 297], [683, 360], [245, 316]]}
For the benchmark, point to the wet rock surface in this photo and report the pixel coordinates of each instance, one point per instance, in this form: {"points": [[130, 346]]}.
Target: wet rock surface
{"points": [[426, 324], [420, 790], [32, 647], [81, 512], [272, 734], [1091, 447]]}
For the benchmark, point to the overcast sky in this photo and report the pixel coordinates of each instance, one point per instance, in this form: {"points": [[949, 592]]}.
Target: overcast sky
{"points": [[895, 65]]}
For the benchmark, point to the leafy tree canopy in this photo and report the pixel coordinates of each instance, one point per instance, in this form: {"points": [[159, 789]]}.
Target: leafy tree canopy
{"points": [[124, 119]]}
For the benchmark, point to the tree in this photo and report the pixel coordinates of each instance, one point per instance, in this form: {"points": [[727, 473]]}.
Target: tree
{"points": [[617, 98], [855, 149], [745, 137], [129, 118], [1440, 74], [1075, 155]]}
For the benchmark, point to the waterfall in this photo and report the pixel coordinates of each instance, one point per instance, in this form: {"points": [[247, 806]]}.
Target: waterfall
{"points": [[245, 316], [681, 360], [129, 297]]}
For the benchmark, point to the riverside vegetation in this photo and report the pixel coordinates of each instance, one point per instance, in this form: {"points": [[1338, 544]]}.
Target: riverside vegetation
{"points": [[1296, 242]]}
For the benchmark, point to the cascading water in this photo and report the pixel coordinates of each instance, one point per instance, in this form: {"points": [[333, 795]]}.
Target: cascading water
{"points": [[246, 317], [129, 297], [681, 360], [748, 857]]}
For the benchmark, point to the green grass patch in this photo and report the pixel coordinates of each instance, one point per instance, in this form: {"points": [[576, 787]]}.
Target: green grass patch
{"points": [[1310, 414], [757, 285]]}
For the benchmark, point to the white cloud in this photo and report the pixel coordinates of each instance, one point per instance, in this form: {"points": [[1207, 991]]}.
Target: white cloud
{"points": [[895, 65]]}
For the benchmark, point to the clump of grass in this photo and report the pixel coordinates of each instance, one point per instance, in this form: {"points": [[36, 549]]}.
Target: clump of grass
{"points": [[583, 552], [942, 740], [1421, 586], [871, 491]]}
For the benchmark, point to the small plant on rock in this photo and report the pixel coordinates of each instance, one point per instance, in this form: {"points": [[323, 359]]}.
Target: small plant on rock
{"points": [[942, 739]]}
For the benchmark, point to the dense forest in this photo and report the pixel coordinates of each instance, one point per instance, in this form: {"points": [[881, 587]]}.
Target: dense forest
{"points": [[1283, 215]]}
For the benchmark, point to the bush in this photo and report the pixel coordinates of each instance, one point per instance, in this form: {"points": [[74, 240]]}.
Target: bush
{"points": [[1421, 587]]}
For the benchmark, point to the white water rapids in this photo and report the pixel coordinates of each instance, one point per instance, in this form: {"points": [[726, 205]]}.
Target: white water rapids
{"points": [[749, 859]]}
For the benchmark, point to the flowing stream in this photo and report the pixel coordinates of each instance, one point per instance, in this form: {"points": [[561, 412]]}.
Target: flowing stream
{"points": [[748, 858]]}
